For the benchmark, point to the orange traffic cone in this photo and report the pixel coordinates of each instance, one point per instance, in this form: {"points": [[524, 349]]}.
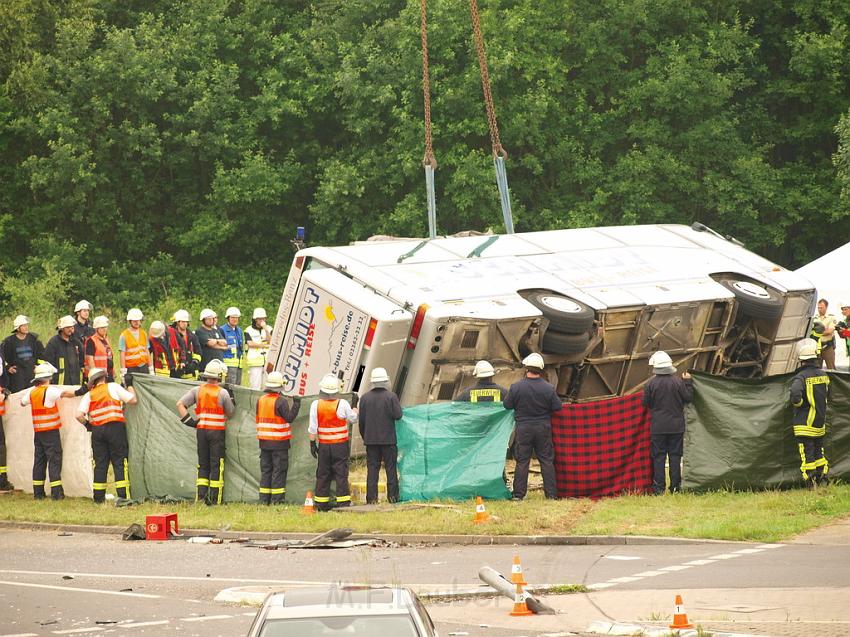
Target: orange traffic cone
{"points": [[680, 617], [517, 576], [481, 514], [309, 507], [520, 607]]}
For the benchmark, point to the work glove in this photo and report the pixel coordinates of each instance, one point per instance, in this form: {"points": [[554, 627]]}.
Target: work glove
{"points": [[82, 390], [123, 372], [6, 392], [128, 380], [189, 421], [88, 426], [230, 393], [314, 448]]}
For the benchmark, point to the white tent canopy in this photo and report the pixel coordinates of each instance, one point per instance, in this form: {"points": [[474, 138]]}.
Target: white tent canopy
{"points": [[829, 276]]}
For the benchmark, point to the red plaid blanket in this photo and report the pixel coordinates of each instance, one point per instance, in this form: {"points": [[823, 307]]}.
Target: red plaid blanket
{"points": [[602, 448]]}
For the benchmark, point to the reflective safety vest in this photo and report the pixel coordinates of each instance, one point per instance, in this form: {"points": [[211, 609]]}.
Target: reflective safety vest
{"points": [[256, 356], [161, 358], [136, 354], [270, 426], [232, 356], [810, 411], [2, 408], [332, 428], [103, 408], [210, 413], [487, 394], [102, 352], [43, 418]]}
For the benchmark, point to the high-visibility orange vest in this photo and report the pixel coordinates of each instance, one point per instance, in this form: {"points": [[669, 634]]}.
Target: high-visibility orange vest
{"points": [[43, 418], [103, 408], [270, 426], [102, 352], [136, 353], [332, 428], [210, 413], [3, 408]]}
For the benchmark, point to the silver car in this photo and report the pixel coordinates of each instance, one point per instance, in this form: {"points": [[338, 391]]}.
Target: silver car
{"points": [[345, 610]]}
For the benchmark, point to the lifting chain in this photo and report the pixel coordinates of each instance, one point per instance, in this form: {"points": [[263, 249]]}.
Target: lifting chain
{"points": [[498, 150], [429, 159]]}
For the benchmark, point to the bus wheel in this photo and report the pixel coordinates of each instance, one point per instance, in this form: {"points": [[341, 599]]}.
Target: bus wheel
{"points": [[564, 314]]}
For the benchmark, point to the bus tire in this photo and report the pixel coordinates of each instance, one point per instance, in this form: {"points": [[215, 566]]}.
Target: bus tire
{"points": [[756, 300], [560, 343], [563, 313]]}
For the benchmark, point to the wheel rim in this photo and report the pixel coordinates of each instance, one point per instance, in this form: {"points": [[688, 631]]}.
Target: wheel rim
{"points": [[751, 289], [561, 304]]}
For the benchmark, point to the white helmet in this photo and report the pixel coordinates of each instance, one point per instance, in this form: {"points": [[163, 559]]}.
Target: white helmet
{"points": [[483, 369], [259, 313], [274, 380], [20, 319], [66, 321], [207, 313], [135, 314], [844, 304], [96, 374], [157, 329], [100, 321], [533, 360], [215, 369], [808, 350], [662, 363], [83, 305], [232, 311], [379, 375], [181, 315], [329, 384], [44, 370]]}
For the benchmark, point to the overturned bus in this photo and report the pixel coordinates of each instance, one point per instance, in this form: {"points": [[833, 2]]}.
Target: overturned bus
{"points": [[595, 302]]}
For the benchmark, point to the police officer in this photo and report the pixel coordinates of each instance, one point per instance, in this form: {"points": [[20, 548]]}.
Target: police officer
{"points": [[329, 443], [485, 390], [43, 399], [534, 401], [65, 353], [665, 396], [101, 411], [378, 411], [274, 417], [809, 397], [213, 406]]}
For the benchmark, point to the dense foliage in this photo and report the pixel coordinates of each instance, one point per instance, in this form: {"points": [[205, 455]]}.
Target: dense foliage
{"points": [[153, 148]]}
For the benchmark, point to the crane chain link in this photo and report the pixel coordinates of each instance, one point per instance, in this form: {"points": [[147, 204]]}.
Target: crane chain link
{"points": [[429, 159], [498, 150]]}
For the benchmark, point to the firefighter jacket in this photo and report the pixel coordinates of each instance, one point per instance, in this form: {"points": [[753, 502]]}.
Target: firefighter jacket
{"points": [[67, 357], [161, 356], [185, 350], [484, 391], [809, 397], [103, 408]]}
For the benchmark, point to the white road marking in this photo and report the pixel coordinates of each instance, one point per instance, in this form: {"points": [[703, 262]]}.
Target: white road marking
{"points": [[649, 574], [162, 577], [624, 558], [749, 551], [244, 614], [158, 622], [769, 546], [81, 590], [675, 567], [699, 562], [204, 618], [21, 635], [724, 556], [74, 631], [596, 587], [624, 580]]}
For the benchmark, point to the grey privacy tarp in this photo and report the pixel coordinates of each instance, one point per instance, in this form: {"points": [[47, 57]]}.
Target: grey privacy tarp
{"points": [[453, 450], [163, 453], [739, 433]]}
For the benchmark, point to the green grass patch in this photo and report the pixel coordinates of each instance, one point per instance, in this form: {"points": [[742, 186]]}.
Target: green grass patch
{"points": [[766, 516]]}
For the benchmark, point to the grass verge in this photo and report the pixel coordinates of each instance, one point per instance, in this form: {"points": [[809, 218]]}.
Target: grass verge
{"points": [[766, 516]]}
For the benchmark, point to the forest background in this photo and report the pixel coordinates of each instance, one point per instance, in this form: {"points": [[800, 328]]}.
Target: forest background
{"points": [[160, 153]]}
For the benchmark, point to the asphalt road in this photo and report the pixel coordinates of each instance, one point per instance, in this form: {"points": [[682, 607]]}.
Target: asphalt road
{"points": [[97, 584]]}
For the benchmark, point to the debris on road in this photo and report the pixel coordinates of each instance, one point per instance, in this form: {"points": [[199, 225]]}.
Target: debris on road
{"points": [[506, 588]]}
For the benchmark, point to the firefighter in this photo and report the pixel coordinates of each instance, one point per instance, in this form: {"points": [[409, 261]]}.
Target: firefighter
{"points": [[378, 412], [209, 337], [184, 347], [65, 353], [235, 339], [82, 327], [485, 390], [274, 417], [133, 346], [102, 413], [47, 458], [534, 401], [809, 397], [22, 351], [257, 339], [98, 349], [5, 485], [161, 355], [213, 406], [665, 396], [329, 443]]}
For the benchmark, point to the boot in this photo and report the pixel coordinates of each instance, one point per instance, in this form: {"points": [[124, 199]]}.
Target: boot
{"points": [[5, 485], [57, 493]]}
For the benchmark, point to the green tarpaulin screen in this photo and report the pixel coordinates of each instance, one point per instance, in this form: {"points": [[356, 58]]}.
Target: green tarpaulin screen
{"points": [[453, 450], [739, 433]]}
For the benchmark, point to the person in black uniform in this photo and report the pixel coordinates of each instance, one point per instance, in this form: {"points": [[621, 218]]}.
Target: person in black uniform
{"points": [[485, 390], [534, 401], [82, 326], [809, 398], [665, 396], [65, 353], [274, 419], [22, 351], [379, 411]]}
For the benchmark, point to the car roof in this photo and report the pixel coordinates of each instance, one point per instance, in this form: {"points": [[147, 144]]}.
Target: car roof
{"points": [[337, 602]]}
